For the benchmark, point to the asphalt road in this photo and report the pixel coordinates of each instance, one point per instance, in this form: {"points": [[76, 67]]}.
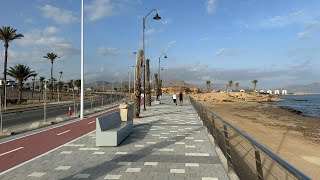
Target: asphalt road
{"points": [[29, 116], [20, 150]]}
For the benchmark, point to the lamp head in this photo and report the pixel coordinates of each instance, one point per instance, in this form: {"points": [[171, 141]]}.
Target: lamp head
{"points": [[165, 56], [157, 17]]}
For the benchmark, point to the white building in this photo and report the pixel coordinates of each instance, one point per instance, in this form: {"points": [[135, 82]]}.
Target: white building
{"points": [[284, 92], [277, 92], [269, 91]]}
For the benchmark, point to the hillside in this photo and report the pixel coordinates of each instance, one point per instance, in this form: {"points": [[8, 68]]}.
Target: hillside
{"points": [[310, 88]]}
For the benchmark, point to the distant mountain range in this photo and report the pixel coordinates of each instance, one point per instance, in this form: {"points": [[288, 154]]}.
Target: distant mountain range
{"points": [[167, 83], [309, 88]]}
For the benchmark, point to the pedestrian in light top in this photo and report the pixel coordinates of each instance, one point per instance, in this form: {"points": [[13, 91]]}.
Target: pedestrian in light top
{"points": [[174, 98]]}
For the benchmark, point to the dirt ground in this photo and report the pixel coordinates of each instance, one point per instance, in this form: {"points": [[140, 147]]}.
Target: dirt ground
{"points": [[294, 137]]}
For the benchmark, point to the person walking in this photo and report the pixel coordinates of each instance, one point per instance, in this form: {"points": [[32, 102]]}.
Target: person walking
{"points": [[174, 98], [181, 98]]}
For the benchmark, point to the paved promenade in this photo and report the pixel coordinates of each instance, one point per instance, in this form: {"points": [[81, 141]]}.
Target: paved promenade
{"points": [[168, 142]]}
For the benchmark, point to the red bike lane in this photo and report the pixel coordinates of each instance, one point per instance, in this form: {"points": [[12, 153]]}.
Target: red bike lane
{"points": [[15, 152]]}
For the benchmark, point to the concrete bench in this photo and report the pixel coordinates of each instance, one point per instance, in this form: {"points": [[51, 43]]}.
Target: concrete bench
{"points": [[112, 129]]}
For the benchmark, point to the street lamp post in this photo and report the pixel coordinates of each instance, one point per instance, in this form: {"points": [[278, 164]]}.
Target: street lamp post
{"points": [[82, 65], [58, 87], [156, 17], [134, 74], [129, 87], [165, 56]]}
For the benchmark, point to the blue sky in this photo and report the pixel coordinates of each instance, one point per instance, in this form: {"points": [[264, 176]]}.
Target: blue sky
{"points": [[275, 42]]}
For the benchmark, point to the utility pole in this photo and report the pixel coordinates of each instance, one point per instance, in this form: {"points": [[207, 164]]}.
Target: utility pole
{"points": [[45, 102], [130, 88]]}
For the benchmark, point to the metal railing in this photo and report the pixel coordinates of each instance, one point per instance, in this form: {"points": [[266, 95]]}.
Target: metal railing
{"points": [[245, 156]]}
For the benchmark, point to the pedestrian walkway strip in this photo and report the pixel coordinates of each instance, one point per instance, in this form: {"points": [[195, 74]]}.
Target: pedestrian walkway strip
{"points": [[169, 151]]}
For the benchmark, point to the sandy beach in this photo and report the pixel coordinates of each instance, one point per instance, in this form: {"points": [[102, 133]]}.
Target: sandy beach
{"points": [[294, 137]]}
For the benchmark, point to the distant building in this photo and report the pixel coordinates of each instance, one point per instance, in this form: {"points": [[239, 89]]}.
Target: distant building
{"points": [[269, 91], [277, 92], [284, 92], [242, 90]]}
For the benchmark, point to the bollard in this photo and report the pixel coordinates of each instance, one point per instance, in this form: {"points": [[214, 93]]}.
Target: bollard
{"points": [[69, 111]]}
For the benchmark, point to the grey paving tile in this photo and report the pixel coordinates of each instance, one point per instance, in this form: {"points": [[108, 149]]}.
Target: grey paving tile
{"points": [[157, 149]]}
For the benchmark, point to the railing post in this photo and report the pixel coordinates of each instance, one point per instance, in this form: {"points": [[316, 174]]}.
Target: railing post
{"points": [[228, 154], [258, 164], [214, 131]]}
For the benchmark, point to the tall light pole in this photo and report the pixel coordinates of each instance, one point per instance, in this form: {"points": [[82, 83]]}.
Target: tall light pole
{"points": [[165, 56], [129, 87], [82, 66], [61, 72], [156, 17]]}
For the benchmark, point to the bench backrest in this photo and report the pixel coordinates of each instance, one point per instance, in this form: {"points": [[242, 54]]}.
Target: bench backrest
{"points": [[109, 121]]}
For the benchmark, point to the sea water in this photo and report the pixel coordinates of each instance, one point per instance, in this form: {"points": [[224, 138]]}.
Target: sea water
{"points": [[309, 104]]}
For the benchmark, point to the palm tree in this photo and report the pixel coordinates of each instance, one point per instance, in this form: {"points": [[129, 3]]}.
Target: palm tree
{"points": [[237, 85], [41, 83], [208, 85], [78, 84], [230, 83], [137, 96], [254, 85], [148, 86], [7, 34], [33, 80], [51, 56], [70, 85], [21, 73]]}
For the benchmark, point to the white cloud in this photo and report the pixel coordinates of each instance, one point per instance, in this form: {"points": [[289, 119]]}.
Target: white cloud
{"points": [[286, 19], [51, 30], [166, 21], [169, 45], [106, 51], [204, 39], [219, 52], [46, 39], [151, 31], [211, 6], [230, 52], [309, 30], [58, 15], [99, 9]]}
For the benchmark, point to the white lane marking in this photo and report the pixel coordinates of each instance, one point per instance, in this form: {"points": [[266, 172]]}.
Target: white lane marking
{"points": [[63, 132], [11, 151], [41, 155], [91, 122]]}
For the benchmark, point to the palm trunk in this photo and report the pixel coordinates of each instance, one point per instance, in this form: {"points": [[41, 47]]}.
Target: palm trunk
{"points": [[20, 93], [6, 46], [148, 88], [32, 88], [137, 96], [156, 88]]}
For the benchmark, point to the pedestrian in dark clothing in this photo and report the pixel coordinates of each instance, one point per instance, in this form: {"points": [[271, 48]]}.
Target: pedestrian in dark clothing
{"points": [[181, 98]]}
